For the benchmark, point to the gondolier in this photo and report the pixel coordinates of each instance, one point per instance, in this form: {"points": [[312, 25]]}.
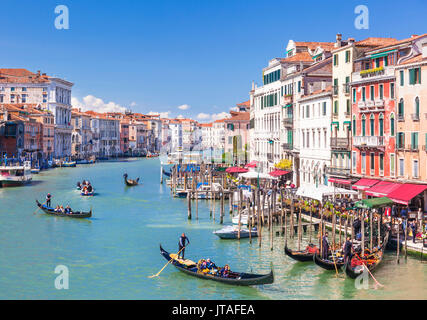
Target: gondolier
{"points": [[348, 246], [48, 199], [183, 242], [325, 246]]}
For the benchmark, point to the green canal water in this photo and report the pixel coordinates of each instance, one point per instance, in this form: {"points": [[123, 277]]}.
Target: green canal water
{"points": [[111, 255]]}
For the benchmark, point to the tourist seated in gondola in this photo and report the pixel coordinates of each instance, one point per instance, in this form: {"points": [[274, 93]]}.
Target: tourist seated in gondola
{"points": [[68, 210], [57, 209], [202, 266], [225, 271], [61, 209], [89, 188], [311, 248], [210, 265]]}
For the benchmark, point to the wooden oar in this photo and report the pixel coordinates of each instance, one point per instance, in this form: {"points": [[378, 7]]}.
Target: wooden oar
{"points": [[39, 207], [369, 271], [157, 274], [335, 265]]}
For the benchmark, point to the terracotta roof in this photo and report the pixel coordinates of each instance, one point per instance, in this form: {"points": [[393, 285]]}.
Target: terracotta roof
{"points": [[21, 76], [300, 56], [238, 116], [206, 125], [328, 89], [244, 104], [414, 59], [375, 42], [407, 40], [328, 46]]}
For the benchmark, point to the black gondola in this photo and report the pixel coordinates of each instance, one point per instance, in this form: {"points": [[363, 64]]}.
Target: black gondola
{"points": [[328, 264], [130, 182], [75, 214], [302, 256], [356, 271], [236, 278]]}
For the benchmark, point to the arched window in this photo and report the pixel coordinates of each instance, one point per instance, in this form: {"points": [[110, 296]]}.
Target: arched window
{"points": [[372, 124], [417, 108], [381, 125], [401, 109], [363, 125], [392, 124]]}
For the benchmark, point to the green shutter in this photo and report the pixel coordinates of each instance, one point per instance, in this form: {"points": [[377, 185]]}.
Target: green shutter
{"points": [[411, 76], [402, 79]]}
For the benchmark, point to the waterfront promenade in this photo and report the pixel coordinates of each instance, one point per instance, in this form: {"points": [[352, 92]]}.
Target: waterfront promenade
{"points": [[111, 255]]}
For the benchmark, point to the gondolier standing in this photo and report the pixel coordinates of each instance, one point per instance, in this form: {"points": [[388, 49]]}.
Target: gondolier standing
{"points": [[348, 246], [325, 246], [183, 242], [48, 199]]}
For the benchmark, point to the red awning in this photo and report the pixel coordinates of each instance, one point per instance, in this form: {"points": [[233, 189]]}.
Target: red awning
{"points": [[278, 173], [340, 181], [364, 184], [406, 192], [236, 170], [251, 164], [382, 189]]}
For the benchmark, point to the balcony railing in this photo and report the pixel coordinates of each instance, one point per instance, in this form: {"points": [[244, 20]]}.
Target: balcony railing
{"points": [[338, 171], [410, 147], [340, 143], [346, 88], [287, 122], [335, 90], [368, 141], [400, 117], [287, 146]]}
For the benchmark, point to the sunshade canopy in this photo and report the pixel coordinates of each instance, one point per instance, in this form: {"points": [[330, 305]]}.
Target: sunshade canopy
{"points": [[382, 189], [374, 203], [364, 184], [278, 173], [236, 170], [406, 192]]}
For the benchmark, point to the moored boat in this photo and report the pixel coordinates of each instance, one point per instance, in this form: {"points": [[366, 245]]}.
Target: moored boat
{"points": [[332, 263], [75, 214], [13, 176], [232, 232], [68, 164], [302, 255], [236, 278]]}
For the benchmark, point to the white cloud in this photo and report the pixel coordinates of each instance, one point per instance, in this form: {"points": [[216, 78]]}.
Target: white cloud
{"points": [[184, 107], [93, 103], [133, 104], [213, 117], [180, 117], [162, 114]]}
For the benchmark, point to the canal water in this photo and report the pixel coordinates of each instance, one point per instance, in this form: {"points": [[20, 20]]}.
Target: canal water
{"points": [[111, 255]]}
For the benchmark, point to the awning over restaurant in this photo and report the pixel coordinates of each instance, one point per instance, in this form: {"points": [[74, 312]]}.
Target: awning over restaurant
{"points": [[406, 192], [278, 173], [364, 184], [255, 175], [251, 164], [382, 189], [236, 170], [374, 203], [321, 191], [339, 181]]}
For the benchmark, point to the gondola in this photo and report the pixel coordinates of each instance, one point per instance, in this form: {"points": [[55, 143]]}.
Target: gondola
{"points": [[75, 214], [89, 194], [301, 256], [354, 272], [328, 264], [235, 278], [130, 182]]}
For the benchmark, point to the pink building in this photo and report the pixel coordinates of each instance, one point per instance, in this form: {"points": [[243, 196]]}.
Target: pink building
{"points": [[237, 136]]}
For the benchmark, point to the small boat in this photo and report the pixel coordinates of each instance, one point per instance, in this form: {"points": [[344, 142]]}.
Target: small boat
{"points": [[369, 261], [302, 256], [329, 264], [89, 194], [232, 232], [181, 194], [68, 164], [167, 174], [236, 278], [130, 182], [75, 214]]}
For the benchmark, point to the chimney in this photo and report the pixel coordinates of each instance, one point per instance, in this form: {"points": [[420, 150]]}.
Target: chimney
{"points": [[338, 38], [351, 40]]}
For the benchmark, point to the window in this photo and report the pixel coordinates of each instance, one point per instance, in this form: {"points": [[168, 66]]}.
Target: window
{"points": [[364, 94], [354, 96], [348, 106], [324, 108], [415, 169], [392, 90], [307, 111], [347, 87], [414, 140], [417, 108], [372, 93], [354, 125], [400, 140], [372, 163], [363, 125], [24, 98], [381, 125], [381, 91], [381, 163], [385, 61], [392, 165], [347, 56], [24, 89], [1, 98], [335, 59], [372, 124], [299, 86], [335, 86], [363, 162], [336, 107], [12, 88], [401, 167], [402, 78], [401, 109], [415, 76], [377, 62], [354, 159]]}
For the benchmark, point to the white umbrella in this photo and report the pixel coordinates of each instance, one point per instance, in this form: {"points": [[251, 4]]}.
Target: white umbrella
{"points": [[255, 175]]}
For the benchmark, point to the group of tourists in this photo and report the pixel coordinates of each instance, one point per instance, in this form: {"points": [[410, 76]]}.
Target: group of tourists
{"points": [[85, 187], [61, 209]]}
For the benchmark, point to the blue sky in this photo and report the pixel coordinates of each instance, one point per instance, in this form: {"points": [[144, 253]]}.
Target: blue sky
{"points": [[158, 55]]}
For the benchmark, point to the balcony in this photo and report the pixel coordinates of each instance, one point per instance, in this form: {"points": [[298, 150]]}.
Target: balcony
{"points": [[368, 141], [340, 143], [415, 117], [379, 103], [288, 99], [288, 122], [371, 74], [411, 148], [335, 90], [337, 171], [400, 117], [346, 88], [287, 146]]}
